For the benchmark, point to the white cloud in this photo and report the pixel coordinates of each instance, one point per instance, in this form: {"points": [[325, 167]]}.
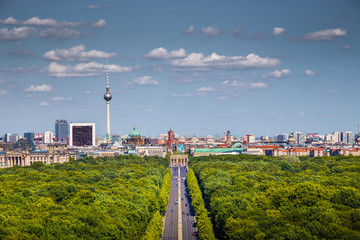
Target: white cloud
{"points": [[241, 85], [347, 47], [141, 81], [327, 34], [16, 33], [301, 113], [63, 34], [84, 69], [3, 92], [309, 73], [76, 53], [190, 30], [161, 54], [93, 6], [210, 30], [41, 22], [87, 92], [277, 74], [333, 90], [181, 95], [44, 104], [214, 61], [9, 21], [100, 24], [61, 99], [206, 89], [278, 30], [40, 88]]}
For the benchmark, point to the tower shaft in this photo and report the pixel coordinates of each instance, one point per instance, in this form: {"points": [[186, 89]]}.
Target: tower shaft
{"points": [[107, 120]]}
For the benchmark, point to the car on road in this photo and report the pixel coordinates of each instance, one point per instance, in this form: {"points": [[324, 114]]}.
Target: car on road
{"points": [[186, 204], [172, 210], [188, 214], [195, 233]]}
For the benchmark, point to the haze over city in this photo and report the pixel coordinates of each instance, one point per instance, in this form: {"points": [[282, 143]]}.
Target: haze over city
{"points": [[254, 67]]}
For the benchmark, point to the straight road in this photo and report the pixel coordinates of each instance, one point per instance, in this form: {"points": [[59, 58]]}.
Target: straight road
{"points": [[181, 213], [171, 220]]}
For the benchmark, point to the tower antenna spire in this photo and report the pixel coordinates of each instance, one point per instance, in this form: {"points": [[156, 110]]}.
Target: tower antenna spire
{"points": [[107, 72]]}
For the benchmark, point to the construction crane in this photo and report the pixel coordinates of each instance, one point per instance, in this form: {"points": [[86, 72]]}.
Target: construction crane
{"points": [[205, 133]]}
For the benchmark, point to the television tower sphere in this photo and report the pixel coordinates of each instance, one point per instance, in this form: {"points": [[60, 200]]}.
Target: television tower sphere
{"points": [[107, 95]]}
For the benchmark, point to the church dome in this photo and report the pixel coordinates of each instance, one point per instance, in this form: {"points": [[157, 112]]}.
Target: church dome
{"points": [[134, 133]]}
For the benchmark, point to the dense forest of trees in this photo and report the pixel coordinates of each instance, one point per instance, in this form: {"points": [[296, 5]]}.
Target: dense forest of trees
{"points": [[259, 197], [204, 225], [102, 198]]}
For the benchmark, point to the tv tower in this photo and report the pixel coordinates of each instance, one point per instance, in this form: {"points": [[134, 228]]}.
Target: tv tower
{"points": [[107, 97]]}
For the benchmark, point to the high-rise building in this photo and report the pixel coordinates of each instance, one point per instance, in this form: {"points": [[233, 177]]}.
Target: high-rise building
{"points": [[48, 137], [107, 97], [29, 135], [348, 137], [82, 134], [299, 138], [228, 137], [61, 131], [7, 137], [282, 137]]}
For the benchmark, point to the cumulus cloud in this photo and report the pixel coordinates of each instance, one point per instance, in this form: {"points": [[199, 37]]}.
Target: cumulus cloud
{"points": [[84, 69], [3, 92], [76, 53], [309, 73], [161, 54], [277, 74], [44, 104], [190, 30], [210, 30], [100, 24], [39, 88], [61, 99], [19, 33], [141, 81], [214, 61], [9, 21], [40, 22], [278, 30], [322, 35]]}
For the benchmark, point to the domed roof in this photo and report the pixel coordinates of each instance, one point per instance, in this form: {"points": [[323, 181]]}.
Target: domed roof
{"points": [[25, 144], [134, 133]]}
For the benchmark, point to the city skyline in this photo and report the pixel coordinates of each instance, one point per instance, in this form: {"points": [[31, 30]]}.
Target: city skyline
{"points": [[254, 67]]}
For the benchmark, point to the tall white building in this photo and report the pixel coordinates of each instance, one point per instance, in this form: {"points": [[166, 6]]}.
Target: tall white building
{"points": [[48, 137], [299, 138], [347, 137]]}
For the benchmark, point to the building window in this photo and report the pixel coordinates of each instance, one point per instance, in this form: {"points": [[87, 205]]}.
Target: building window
{"points": [[30, 162]]}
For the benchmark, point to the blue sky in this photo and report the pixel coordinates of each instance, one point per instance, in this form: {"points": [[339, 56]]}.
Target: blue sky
{"points": [[254, 67]]}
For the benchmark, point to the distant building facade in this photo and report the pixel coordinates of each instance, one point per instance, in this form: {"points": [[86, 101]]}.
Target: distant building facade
{"points": [[29, 135], [61, 131], [82, 134]]}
